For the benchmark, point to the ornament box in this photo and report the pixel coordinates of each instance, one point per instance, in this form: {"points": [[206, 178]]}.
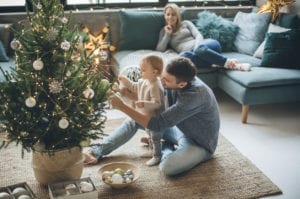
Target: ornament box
{"points": [[16, 190], [72, 189]]}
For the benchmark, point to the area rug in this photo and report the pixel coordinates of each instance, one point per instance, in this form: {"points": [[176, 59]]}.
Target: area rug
{"points": [[228, 174]]}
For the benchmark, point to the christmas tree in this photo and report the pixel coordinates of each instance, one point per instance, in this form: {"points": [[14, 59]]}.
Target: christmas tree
{"points": [[54, 98]]}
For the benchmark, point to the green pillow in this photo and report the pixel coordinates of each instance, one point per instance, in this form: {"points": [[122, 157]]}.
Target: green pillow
{"points": [[216, 27], [3, 56], [140, 29], [282, 50]]}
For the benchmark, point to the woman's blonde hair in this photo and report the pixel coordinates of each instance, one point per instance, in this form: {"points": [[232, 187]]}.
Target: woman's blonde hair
{"points": [[176, 9]]}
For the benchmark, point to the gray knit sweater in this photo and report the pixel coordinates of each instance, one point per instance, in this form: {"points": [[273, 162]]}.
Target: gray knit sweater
{"points": [[185, 39], [194, 110]]}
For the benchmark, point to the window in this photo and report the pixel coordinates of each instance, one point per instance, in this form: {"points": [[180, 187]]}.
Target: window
{"points": [[19, 5]]}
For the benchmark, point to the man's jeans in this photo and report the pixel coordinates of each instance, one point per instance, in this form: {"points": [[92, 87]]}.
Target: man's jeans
{"points": [[179, 153]]}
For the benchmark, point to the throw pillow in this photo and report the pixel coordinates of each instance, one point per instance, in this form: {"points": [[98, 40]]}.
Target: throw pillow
{"points": [[6, 37], [3, 56], [282, 50], [253, 27], [140, 29], [216, 27], [287, 20], [272, 28]]}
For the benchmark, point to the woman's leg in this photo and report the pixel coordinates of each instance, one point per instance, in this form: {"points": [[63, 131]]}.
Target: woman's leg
{"points": [[182, 158], [117, 138], [209, 51]]}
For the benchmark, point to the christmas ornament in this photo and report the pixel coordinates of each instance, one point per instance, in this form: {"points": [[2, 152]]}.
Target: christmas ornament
{"points": [[24, 197], [4, 195], [38, 64], [88, 93], [86, 187], [55, 87], [65, 45], [63, 123], [52, 34], [15, 44], [30, 102]]}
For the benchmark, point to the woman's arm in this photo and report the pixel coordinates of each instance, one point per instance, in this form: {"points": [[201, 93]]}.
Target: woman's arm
{"points": [[195, 32], [163, 41]]}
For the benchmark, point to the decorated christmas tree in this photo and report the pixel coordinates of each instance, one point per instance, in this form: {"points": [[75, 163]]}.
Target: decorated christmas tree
{"points": [[55, 97]]}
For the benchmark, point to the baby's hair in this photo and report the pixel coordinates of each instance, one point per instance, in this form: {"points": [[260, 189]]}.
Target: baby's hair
{"points": [[155, 61]]}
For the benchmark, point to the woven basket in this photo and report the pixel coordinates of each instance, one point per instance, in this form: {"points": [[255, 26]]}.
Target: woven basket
{"points": [[63, 165]]}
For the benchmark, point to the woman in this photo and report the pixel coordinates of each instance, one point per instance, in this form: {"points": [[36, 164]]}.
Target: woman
{"points": [[184, 38]]}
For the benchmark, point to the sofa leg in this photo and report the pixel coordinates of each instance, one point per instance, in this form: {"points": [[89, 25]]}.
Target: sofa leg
{"points": [[245, 110]]}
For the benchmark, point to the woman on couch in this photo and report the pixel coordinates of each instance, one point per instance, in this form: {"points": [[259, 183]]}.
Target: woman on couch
{"points": [[184, 38]]}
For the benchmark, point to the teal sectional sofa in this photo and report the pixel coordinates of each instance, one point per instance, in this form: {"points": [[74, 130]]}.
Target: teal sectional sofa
{"points": [[135, 34], [264, 84]]}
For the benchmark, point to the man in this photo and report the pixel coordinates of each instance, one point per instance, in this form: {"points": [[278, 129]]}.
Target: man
{"points": [[190, 123]]}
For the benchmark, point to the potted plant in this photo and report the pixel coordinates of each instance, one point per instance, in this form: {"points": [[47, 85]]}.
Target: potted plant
{"points": [[53, 101]]}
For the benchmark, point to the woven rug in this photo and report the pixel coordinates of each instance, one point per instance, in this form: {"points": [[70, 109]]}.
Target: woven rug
{"points": [[228, 174]]}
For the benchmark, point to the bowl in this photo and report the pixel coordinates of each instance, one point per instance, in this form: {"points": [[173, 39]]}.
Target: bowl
{"points": [[117, 167]]}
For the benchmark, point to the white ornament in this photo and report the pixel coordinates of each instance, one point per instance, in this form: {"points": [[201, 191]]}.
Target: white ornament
{"points": [[116, 178], [64, 20], [88, 93], [65, 45], [4, 195], [38, 64], [19, 190], [15, 44], [86, 187], [24, 197], [63, 123], [30, 102]]}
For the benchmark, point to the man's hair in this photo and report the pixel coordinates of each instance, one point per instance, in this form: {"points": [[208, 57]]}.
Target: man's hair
{"points": [[182, 68], [155, 61]]}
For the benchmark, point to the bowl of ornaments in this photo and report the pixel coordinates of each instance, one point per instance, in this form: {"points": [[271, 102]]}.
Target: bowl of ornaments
{"points": [[119, 174]]}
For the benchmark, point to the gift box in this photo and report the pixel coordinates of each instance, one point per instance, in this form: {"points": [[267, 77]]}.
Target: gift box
{"points": [[73, 189], [19, 190]]}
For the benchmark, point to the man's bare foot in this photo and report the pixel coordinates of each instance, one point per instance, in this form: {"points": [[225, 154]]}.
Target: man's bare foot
{"points": [[90, 158]]}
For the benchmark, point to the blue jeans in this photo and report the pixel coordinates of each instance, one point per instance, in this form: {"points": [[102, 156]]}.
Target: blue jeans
{"points": [[206, 54], [179, 153]]}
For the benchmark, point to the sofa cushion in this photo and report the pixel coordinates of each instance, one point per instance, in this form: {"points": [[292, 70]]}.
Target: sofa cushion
{"points": [[261, 77], [243, 58], [6, 37], [272, 28], [287, 20], [3, 56], [140, 29], [216, 27], [282, 50], [252, 31]]}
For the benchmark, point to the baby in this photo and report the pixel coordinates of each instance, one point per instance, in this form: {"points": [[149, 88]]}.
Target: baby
{"points": [[147, 97]]}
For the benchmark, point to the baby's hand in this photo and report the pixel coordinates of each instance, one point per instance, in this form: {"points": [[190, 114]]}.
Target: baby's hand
{"points": [[139, 104], [121, 78]]}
